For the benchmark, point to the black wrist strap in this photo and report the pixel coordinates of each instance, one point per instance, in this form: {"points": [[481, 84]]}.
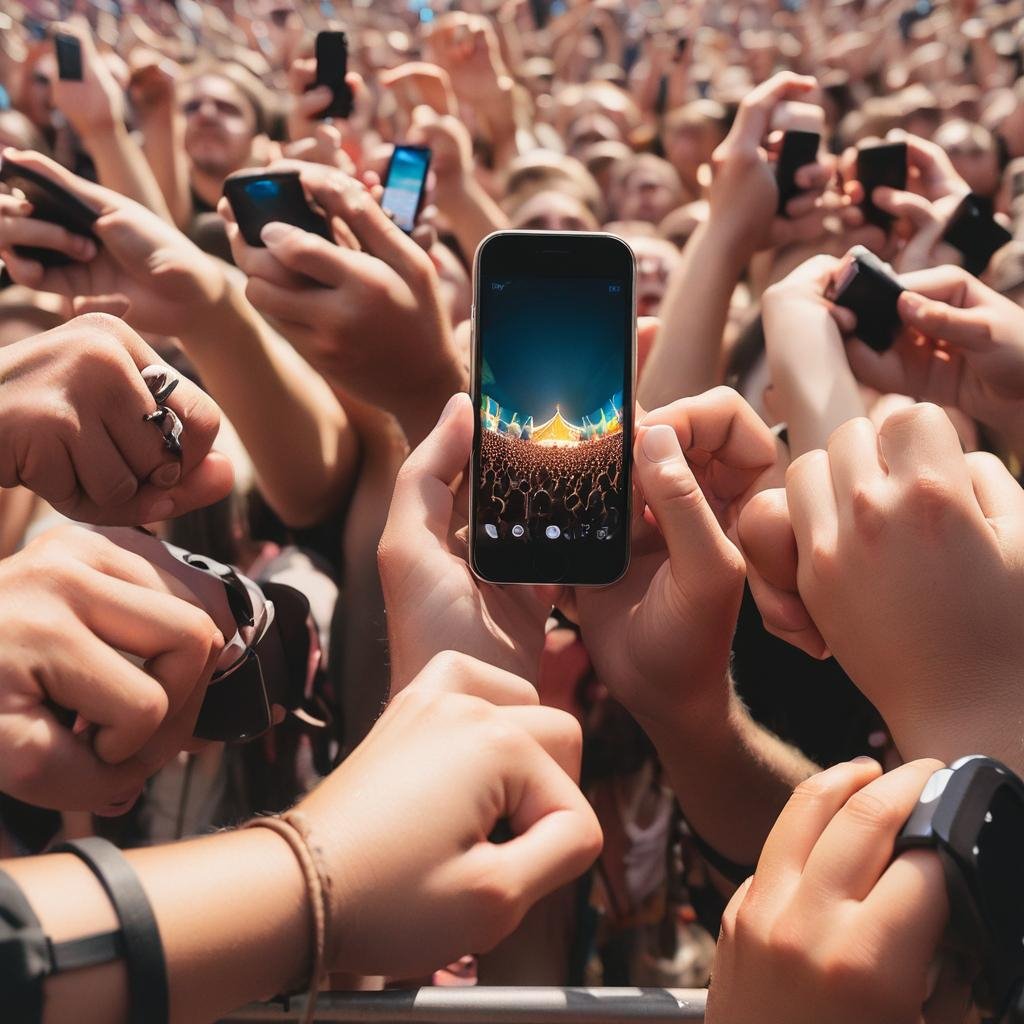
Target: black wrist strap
{"points": [[28, 956], [143, 949]]}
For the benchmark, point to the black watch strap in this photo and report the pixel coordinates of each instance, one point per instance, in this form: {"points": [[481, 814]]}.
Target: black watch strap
{"points": [[143, 949], [28, 956]]}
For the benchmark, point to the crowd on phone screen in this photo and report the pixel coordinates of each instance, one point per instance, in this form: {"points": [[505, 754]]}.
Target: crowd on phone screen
{"points": [[828, 541], [572, 487]]}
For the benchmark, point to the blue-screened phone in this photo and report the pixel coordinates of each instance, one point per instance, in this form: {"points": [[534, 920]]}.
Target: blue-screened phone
{"points": [[405, 184]]}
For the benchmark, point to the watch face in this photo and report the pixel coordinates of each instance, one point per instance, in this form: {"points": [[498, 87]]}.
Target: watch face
{"points": [[1000, 854]]}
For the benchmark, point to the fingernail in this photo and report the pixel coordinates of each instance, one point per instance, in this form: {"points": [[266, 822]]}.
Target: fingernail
{"points": [[661, 444], [85, 248], [275, 232], [450, 406], [864, 759], [167, 476], [160, 510]]}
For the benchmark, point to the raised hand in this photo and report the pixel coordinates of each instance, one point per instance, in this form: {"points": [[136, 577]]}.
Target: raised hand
{"points": [[830, 927], [744, 195], [144, 269], [435, 886], [908, 556], [73, 429], [357, 314], [72, 601], [660, 637], [963, 347], [433, 600]]}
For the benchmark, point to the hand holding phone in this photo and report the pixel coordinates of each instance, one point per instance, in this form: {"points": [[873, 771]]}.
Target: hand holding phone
{"points": [[865, 285], [802, 125], [50, 203], [331, 68], [975, 232], [259, 198], [405, 184], [885, 164], [69, 57]]}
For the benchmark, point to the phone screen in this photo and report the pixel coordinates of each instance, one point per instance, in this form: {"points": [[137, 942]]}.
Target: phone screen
{"points": [[553, 385], [257, 199], [407, 177]]}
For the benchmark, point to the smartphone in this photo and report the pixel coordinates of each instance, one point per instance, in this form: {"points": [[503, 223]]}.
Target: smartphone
{"points": [[259, 197], [405, 183], [52, 203], [331, 68], [976, 233], [69, 57], [554, 356], [802, 125], [865, 285], [885, 164]]}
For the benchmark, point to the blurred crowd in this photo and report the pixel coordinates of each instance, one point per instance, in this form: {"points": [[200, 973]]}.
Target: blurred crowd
{"points": [[825, 596]]}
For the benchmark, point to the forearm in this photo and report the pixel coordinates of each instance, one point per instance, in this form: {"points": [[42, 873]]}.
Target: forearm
{"points": [[472, 214], [294, 428], [163, 145], [232, 912], [730, 775], [686, 355], [813, 405], [121, 166]]}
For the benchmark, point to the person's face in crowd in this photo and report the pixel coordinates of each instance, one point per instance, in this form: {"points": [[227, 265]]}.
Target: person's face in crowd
{"points": [[648, 194], [38, 94], [687, 146], [220, 126], [655, 258], [554, 211], [590, 129], [974, 156]]}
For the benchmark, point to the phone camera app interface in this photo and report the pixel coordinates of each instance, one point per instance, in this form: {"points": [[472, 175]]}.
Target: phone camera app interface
{"points": [[555, 355]]}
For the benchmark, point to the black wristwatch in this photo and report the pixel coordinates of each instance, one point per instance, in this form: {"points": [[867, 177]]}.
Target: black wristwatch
{"points": [[972, 815]]}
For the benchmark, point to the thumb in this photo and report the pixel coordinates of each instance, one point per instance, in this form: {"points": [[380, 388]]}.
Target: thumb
{"points": [[965, 328], [424, 491], [692, 534]]}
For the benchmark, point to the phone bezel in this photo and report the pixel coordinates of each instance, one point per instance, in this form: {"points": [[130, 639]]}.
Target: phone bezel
{"points": [[538, 248]]}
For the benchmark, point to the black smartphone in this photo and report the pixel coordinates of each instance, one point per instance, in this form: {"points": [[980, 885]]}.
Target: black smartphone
{"points": [[885, 164], [405, 183], [554, 329], [331, 68], [52, 203], [976, 233], [798, 149], [259, 197], [69, 57], [865, 285]]}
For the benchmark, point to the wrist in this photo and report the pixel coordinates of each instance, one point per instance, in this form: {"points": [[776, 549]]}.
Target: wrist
{"points": [[223, 315], [101, 134], [727, 244], [705, 719], [418, 417]]}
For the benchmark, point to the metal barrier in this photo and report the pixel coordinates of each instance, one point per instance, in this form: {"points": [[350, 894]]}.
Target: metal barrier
{"points": [[491, 1005]]}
